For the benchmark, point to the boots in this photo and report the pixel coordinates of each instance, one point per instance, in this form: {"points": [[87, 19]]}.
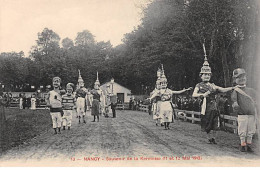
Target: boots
{"points": [[212, 141], [248, 148], [242, 148], [55, 131], [83, 119]]}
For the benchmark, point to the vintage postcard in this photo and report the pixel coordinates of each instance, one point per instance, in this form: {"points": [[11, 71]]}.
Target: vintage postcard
{"points": [[129, 83]]}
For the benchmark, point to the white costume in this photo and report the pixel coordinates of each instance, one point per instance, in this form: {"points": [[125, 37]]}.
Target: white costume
{"points": [[21, 103], [81, 104], [156, 105], [33, 103], [56, 108], [81, 98]]}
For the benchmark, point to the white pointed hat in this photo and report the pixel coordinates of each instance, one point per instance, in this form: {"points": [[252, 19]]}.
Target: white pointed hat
{"points": [[97, 81], [205, 68], [163, 77], [80, 80]]}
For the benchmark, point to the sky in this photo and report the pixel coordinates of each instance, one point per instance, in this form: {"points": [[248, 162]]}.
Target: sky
{"points": [[107, 20]]}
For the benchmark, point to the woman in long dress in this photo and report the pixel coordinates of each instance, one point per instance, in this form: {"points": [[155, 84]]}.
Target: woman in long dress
{"points": [[96, 106], [156, 102], [166, 107]]}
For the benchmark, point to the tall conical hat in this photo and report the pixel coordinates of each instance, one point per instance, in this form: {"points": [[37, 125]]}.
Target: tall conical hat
{"points": [[159, 73], [158, 81], [163, 77], [80, 80], [205, 68], [97, 81]]}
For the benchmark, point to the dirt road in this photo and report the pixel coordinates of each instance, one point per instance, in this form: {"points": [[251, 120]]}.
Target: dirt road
{"points": [[131, 139]]}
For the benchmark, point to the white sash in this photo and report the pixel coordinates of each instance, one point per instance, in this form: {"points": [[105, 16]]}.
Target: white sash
{"points": [[204, 103], [203, 106]]}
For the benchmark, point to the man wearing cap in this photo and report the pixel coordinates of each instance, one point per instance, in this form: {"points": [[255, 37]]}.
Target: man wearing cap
{"points": [[209, 112], [68, 103], [244, 105], [53, 101]]}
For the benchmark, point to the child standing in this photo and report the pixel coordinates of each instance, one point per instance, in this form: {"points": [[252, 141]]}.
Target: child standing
{"points": [[68, 103]]}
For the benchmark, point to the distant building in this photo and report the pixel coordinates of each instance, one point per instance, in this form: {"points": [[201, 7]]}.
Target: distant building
{"points": [[123, 93]]}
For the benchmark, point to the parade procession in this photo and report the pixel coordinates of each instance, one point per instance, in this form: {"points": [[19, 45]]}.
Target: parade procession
{"points": [[130, 83]]}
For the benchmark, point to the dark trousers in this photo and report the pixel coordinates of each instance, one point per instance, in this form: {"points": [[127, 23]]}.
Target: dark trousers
{"points": [[114, 112]]}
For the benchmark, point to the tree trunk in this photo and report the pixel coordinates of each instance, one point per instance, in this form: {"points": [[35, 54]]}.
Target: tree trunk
{"points": [[253, 65], [225, 67]]}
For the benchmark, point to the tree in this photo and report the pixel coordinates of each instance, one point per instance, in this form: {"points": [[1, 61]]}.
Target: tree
{"points": [[223, 26], [84, 38], [47, 40], [67, 43]]}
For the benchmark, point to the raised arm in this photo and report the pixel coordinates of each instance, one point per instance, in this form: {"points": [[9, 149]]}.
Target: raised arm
{"points": [[181, 91], [224, 90], [154, 94], [196, 94]]}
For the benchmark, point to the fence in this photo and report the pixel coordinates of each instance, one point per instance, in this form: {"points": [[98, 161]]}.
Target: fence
{"points": [[122, 106], [144, 108], [125, 106], [15, 102], [228, 121], [193, 117]]}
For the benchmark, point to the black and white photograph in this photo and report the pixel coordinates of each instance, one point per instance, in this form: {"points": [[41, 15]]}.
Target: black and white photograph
{"points": [[129, 83]]}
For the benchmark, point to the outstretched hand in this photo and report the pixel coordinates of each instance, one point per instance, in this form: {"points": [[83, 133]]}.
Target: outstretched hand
{"points": [[190, 88], [237, 86]]}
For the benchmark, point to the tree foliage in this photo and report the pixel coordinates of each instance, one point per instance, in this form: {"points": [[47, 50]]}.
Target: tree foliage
{"points": [[171, 33]]}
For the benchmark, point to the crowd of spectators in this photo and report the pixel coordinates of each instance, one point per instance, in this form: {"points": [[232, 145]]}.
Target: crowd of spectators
{"points": [[194, 104], [10, 101], [187, 103]]}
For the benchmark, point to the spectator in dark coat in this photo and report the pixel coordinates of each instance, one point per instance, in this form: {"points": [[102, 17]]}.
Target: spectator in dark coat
{"points": [[113, 108]]}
